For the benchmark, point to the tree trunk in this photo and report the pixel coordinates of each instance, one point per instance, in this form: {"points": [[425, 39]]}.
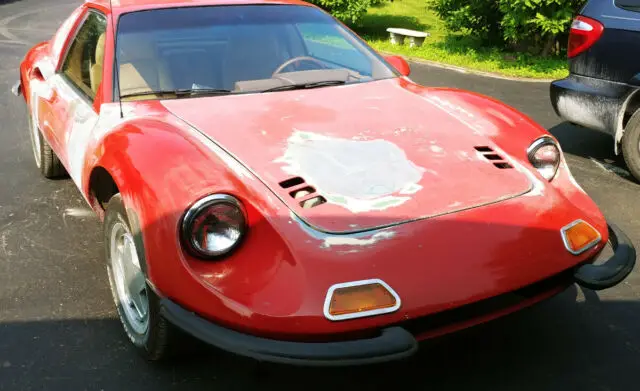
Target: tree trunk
{"points": [[548, 46]]}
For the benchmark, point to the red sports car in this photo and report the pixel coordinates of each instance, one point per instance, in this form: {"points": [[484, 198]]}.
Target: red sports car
{"points": [[274, 187]]}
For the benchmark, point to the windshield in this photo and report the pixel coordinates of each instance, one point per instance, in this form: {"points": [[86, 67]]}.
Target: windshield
{"points": [[238, 48]]}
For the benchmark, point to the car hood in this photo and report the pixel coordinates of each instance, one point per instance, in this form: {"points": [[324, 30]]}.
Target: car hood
{"points": [[377, 153]]}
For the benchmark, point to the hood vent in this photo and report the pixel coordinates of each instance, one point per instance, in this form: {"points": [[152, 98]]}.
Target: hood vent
{"points": [[300, 191], [493, 157]]}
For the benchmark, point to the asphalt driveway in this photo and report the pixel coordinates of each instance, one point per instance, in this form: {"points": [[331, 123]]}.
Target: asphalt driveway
{"points": [[58, 329]]}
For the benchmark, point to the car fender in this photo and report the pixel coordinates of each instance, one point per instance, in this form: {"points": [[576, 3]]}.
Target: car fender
{"points": [[31, 66], [620, 128], [161, 167]]}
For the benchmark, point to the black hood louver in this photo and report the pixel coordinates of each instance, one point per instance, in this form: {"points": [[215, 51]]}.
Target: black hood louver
{"points": [[493, 157], [299, 190]]}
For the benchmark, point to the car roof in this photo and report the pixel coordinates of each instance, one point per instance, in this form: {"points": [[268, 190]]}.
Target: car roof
{"points": [[124, 6]]}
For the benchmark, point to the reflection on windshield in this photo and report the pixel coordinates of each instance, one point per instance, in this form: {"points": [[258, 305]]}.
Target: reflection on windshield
{"points": [[242, 48]]}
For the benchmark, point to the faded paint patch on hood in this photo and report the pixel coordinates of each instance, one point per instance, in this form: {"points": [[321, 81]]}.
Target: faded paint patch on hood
{"points": [[358, 175]]}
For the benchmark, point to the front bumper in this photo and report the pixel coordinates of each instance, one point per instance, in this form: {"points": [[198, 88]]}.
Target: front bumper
{"points": [[588, 102], [614, 270], [399, 341], [393, 343]]}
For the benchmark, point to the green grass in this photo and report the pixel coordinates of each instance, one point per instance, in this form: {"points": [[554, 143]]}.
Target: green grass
{"points": [[449, 47]]}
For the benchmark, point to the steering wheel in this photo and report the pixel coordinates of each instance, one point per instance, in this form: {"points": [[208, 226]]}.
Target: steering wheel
{"points": [[299, 59]]}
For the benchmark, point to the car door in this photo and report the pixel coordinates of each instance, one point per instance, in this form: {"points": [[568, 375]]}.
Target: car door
{"points": [[76, 84]]}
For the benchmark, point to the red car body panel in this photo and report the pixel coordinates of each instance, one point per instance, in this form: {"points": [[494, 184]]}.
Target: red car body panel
{"points": [[469, 231], [347, 133]]}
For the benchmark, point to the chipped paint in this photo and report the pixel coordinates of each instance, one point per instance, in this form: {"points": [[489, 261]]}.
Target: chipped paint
{"points": [[401, 130], [436, 149], [373, 172], [476, 123], [354, 241], [411, 188], [463, 155], [499, 115]]}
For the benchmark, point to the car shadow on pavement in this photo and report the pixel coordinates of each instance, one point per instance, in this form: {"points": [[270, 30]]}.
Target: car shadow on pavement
{"points": [[591, 144], [559, 344]]}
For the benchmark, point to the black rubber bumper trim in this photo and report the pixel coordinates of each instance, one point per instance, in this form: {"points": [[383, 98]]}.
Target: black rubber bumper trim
{"points": [[393, 343], [615, 269]]}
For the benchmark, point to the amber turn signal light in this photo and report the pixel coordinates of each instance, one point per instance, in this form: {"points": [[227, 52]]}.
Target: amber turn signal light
{"points": [[579, 236], [359, 299]]}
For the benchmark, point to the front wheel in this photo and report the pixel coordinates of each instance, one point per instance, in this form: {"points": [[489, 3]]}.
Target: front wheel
{"points": [[631, 145], [137, 304], [46, 160]]}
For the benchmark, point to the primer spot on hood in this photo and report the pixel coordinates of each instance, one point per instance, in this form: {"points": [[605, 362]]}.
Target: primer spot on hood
{"points": [[352, 241], [358, 175]]}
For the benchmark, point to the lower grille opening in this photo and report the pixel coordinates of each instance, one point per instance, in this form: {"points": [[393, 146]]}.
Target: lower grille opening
{"points": [[485, 307]]}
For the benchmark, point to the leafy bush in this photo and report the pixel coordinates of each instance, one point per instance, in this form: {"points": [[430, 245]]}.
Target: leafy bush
{"points": [[479, 18], [536, 26], [346, 10]]}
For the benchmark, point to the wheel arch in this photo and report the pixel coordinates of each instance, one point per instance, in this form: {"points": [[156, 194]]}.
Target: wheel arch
{"points": [[102, 186], [630, 106]]}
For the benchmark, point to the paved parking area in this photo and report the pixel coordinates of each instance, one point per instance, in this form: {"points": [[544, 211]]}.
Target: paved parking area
{"points": [[58, 329]]}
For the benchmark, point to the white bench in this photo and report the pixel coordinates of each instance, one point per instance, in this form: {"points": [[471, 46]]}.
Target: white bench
{"points": [[416, 38]]}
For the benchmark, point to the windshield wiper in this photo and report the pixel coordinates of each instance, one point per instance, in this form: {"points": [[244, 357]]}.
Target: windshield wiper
{"points": [[182, 92], [302, 86]]}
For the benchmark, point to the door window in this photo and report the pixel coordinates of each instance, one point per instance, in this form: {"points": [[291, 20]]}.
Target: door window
{"points": [[83, 64]]}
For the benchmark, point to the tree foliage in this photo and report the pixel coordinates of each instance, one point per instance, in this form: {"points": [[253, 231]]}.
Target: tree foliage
{"points": [[537, 26], [349, 11], [480, 18]]}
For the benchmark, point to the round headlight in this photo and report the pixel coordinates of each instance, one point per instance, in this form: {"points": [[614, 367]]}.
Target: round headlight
{"points": [[544, 155], [214, 226]]}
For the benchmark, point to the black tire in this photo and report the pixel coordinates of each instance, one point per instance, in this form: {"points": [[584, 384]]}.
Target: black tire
{"points": [[631, 145], [46, 160], [159, 339]]}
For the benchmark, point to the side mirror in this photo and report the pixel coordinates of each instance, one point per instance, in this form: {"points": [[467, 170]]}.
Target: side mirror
{"points": [[400, 64]]}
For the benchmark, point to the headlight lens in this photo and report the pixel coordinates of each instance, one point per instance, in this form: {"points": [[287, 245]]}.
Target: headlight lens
{"points": [[544, 155], [214, 226]]}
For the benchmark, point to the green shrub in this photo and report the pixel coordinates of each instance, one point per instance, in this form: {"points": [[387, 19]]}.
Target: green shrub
{"points": [[349, 11], [478, 18], [539, 25], [534, 26]]}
